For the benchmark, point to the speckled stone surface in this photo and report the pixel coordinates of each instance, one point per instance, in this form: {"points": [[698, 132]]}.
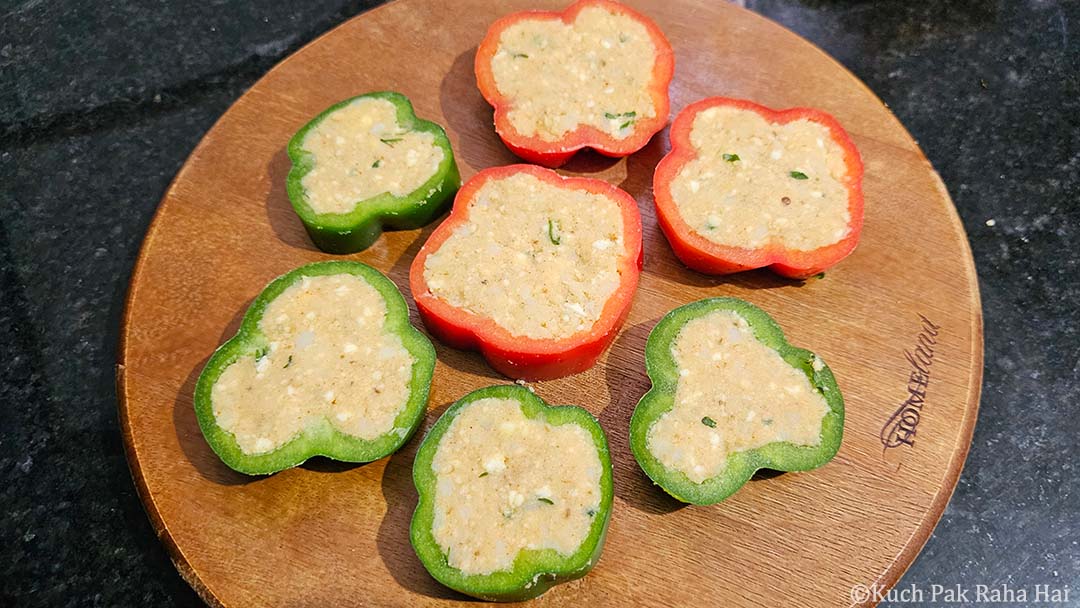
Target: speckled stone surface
{"points": [[100, 103]]}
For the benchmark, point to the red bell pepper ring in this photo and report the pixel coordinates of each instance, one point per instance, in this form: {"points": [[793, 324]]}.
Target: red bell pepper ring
{"points": [[519, 356], [709, 257], [555, 153]]}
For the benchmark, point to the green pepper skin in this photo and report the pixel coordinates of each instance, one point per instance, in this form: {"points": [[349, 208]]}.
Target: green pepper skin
{"points": [[361, 227], [780, 456], [323, 439], [534, 571]]}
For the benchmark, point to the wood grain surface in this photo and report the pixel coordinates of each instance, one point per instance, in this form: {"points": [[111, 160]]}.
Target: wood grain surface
{"points": [[332, 534]]}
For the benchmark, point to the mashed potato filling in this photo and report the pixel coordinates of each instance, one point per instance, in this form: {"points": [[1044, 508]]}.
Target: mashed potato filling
{"points": [[329, 358], [594, 71], [756, 183], [538, 259], [734, 394], [507, 483], [360, 151]]}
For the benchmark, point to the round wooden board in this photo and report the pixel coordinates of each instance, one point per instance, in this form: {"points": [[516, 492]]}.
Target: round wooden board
{"points": [[332, 534]]}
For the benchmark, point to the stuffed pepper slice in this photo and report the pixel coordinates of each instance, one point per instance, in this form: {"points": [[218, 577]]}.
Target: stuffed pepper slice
{"points": [[730, 396], [325, 364], [534, 270], [514, 495], [748, 187], [595, 75], [368, 164]]}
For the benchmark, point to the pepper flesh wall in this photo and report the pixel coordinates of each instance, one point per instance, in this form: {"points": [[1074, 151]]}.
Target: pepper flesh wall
{"points": [[745, 187], [367, 164], [595, 75], [514, 495], [325, 363], [552, 267], [730, 396]]}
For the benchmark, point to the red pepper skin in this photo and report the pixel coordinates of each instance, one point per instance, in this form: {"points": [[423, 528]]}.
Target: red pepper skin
{"points": [[708, 257], [519, 356], [556, 153]]}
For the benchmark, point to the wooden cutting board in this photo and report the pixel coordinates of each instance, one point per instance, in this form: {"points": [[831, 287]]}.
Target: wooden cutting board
{"points": [[332, 534]]}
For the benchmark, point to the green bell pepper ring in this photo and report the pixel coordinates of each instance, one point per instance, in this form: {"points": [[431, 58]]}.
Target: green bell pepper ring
{"points": [[359, 228], [321, 438], [534, 571], [663, 371]]}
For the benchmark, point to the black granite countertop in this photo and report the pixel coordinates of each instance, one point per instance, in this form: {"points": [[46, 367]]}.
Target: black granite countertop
{"points": [[101, 102]]}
